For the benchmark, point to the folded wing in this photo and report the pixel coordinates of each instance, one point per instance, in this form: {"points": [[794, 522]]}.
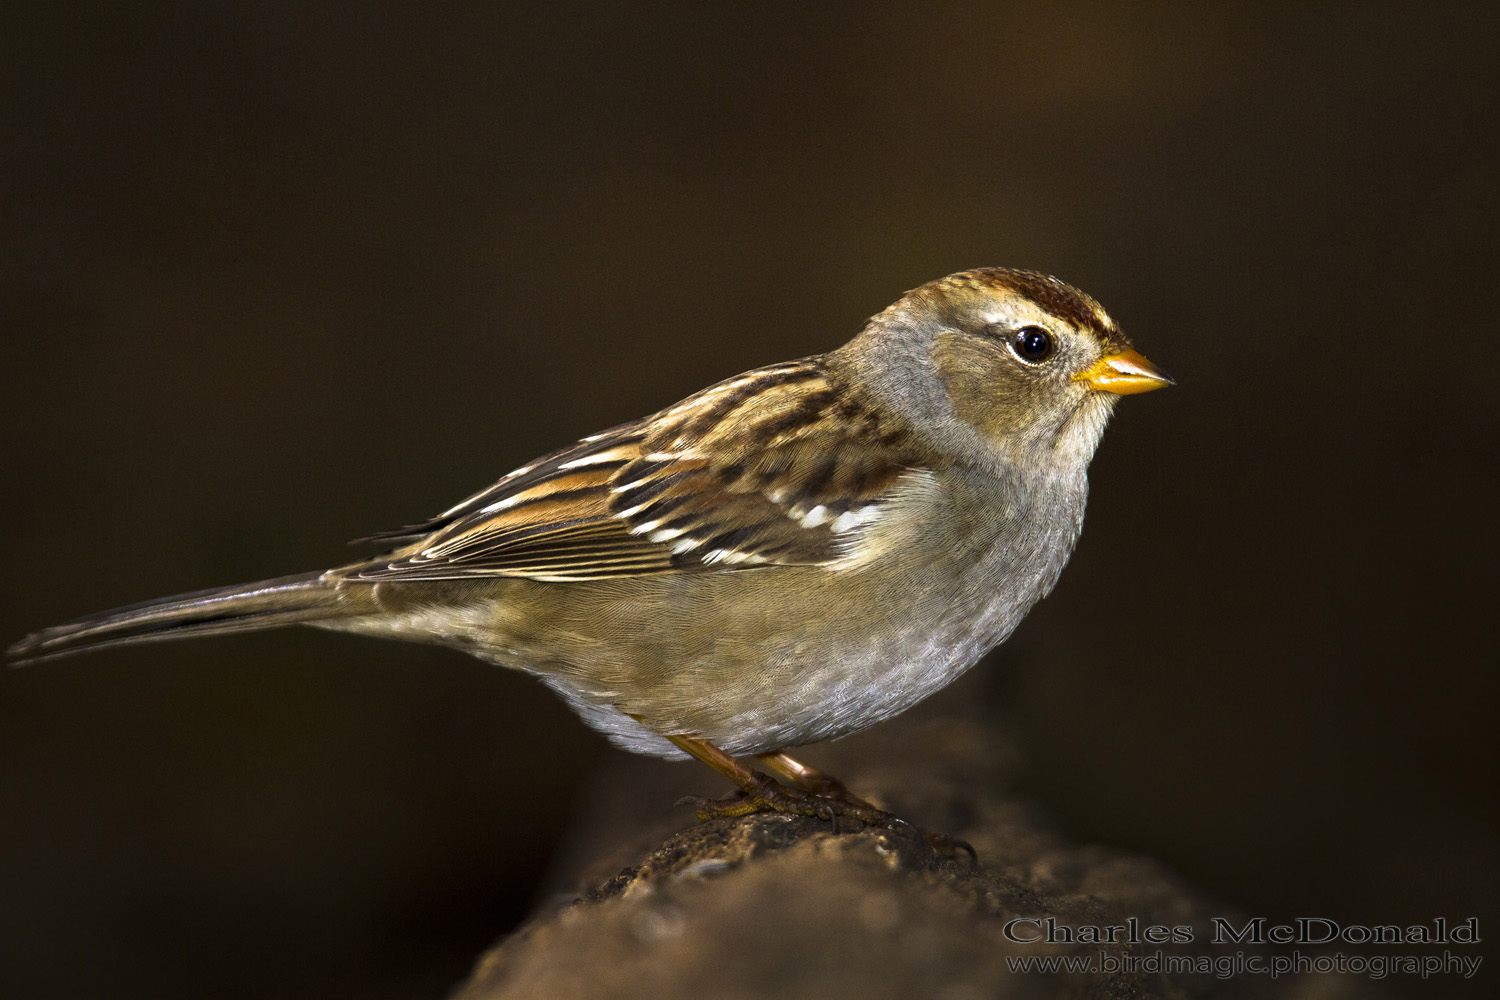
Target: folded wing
{"points": [[773, 467]]}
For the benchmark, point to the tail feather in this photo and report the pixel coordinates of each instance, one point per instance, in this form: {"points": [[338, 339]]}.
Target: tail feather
{"points": [[286, 600]]}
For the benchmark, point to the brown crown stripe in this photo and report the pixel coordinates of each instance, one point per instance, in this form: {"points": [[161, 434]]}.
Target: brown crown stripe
{"points": [[1057, 298], [1049, 293]]}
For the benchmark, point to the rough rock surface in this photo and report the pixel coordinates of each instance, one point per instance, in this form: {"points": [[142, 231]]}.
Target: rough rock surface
{"points": [[782, 906]]}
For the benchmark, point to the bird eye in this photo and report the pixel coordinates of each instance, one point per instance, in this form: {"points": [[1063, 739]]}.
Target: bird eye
{"points": [[1032, 343]]}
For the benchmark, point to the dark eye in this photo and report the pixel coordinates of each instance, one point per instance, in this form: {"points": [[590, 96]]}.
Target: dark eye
{"points": [[1032, 343]]}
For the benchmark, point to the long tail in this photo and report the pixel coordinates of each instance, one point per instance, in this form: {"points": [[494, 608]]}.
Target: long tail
{"points": [[244, 607]]}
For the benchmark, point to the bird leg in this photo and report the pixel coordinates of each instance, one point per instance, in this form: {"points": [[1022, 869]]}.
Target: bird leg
{"points": [[823, 784], [810, 778], [815, 794]]}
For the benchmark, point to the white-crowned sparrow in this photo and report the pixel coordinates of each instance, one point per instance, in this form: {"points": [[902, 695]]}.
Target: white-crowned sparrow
{"points": [[788, 556]]}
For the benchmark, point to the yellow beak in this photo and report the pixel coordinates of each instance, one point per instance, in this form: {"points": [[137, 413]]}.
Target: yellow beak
{"points": [[1124, 374]]}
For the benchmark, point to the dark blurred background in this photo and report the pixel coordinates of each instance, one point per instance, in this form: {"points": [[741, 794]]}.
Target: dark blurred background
{"points": [[281, 274]]}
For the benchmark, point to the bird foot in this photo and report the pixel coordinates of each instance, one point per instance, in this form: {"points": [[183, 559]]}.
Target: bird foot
{"points": [[762, 793]]}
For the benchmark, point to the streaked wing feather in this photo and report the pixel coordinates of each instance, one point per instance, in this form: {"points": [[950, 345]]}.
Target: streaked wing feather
{"points": [[742, 474]]}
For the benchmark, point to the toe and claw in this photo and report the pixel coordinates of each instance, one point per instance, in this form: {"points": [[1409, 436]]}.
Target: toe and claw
{"points": [[810, 793]]}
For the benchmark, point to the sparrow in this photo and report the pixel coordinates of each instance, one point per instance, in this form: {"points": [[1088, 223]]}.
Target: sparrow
{"points": [[788, 556]]}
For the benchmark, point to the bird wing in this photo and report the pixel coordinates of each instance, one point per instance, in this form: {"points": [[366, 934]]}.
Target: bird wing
{"points": [[773, 467]]}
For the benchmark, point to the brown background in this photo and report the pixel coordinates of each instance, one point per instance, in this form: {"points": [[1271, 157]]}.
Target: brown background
{"points": [[277, 275]]}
